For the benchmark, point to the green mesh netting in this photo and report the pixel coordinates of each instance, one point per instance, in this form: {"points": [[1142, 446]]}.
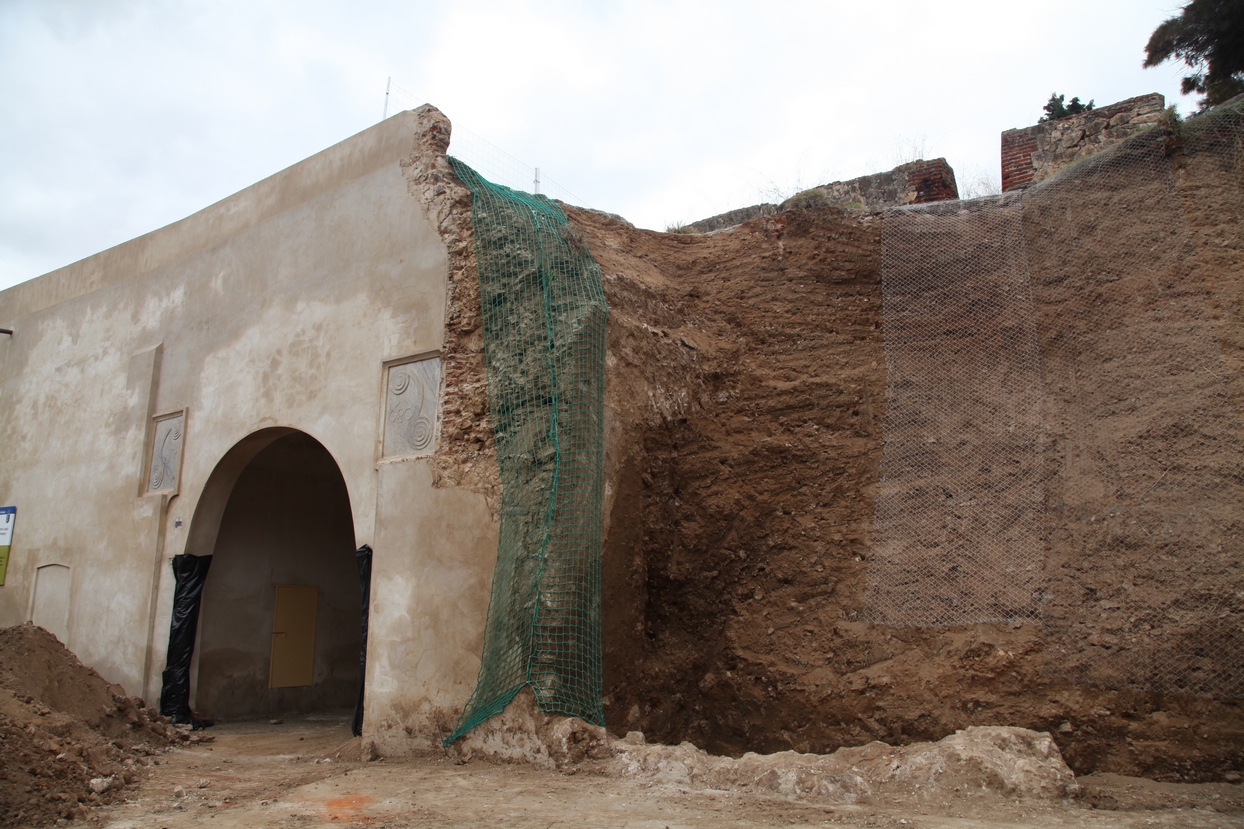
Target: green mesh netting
{"points": [[544, 314]]}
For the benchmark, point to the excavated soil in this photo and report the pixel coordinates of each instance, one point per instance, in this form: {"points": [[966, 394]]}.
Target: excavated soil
{"points": [[746, 386], [69, 740]]}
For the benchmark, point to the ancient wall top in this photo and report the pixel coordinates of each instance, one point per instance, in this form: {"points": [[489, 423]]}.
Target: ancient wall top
{"points": [[1031, 154]]}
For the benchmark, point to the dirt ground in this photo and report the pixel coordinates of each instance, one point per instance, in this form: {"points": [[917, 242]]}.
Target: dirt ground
{"points": [[77, 751], [295, 775]]}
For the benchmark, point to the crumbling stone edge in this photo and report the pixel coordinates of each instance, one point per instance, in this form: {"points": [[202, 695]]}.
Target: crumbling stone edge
{"points": [[465, 455]]}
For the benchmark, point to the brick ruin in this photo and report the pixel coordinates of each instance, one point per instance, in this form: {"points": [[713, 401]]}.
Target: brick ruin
{"points": [[1032, 154]]}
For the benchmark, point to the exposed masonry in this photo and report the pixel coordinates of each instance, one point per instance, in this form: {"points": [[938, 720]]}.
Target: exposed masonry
{"points": [[1034, 153], [917, 182], [466, 455], [733, 218]]}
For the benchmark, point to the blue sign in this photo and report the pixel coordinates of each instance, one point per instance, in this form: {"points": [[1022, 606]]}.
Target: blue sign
{"points": [[8, 515]]}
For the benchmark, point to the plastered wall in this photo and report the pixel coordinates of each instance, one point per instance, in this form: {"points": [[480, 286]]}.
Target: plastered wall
{"points": [[278, 308]]}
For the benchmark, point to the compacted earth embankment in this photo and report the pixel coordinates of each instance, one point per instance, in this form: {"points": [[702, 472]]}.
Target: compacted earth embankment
{"points": [[746, 395]]}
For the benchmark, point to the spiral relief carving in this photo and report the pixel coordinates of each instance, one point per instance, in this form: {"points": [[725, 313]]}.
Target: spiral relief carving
{"points": [[166, 454], [420, 437], [411, 408]]}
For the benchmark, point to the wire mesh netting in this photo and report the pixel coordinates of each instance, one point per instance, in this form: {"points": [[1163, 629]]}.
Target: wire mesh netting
{"points": [[1063, 426], [957, 535], [543, 312]]}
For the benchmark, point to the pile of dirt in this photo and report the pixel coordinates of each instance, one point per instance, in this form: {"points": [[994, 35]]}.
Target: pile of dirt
{"points": [[745, 393], [68, 738]]}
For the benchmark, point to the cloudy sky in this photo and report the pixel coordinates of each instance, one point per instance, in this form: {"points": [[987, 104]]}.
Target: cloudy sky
{"points": [[121, 116]]}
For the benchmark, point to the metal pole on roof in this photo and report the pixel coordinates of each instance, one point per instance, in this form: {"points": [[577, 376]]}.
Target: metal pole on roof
{"points": [[537, 183], [387, 84]]}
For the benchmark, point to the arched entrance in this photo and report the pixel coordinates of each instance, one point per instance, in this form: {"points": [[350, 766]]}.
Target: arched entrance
{"points": [[279, 629]]}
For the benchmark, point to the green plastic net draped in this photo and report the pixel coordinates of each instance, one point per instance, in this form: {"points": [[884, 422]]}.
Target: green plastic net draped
{"points": [[544, 312]]}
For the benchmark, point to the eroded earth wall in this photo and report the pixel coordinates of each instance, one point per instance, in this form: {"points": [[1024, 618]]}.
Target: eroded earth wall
{"points": [[746, 400]]}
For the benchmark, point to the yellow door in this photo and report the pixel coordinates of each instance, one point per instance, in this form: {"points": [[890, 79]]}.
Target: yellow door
{"points": [[293, 636]]}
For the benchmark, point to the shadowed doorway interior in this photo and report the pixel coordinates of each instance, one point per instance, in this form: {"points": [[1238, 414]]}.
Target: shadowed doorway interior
{"points": [[279, 629]]}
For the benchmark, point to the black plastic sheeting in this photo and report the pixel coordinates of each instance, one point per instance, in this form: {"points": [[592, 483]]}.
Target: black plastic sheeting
{"points": [[190, 573], [362, 557]]}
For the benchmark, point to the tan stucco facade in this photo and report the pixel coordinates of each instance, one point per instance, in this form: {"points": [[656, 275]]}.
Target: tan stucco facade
{"points": [[277, 311]]}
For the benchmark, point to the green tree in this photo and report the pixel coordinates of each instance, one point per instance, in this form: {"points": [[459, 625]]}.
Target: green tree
{"points": [[1208, 36], [1055, 108]]}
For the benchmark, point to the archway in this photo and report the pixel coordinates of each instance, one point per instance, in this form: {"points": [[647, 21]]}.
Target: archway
{"points": [[275, 516]]}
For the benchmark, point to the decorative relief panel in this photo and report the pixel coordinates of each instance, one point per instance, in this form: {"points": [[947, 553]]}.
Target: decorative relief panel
{"points": [[166, 453], [411, 406]]}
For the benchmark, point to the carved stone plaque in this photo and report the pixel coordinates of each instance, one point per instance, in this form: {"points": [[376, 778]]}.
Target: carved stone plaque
{"points": [[410, 407], [166, 453]]}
